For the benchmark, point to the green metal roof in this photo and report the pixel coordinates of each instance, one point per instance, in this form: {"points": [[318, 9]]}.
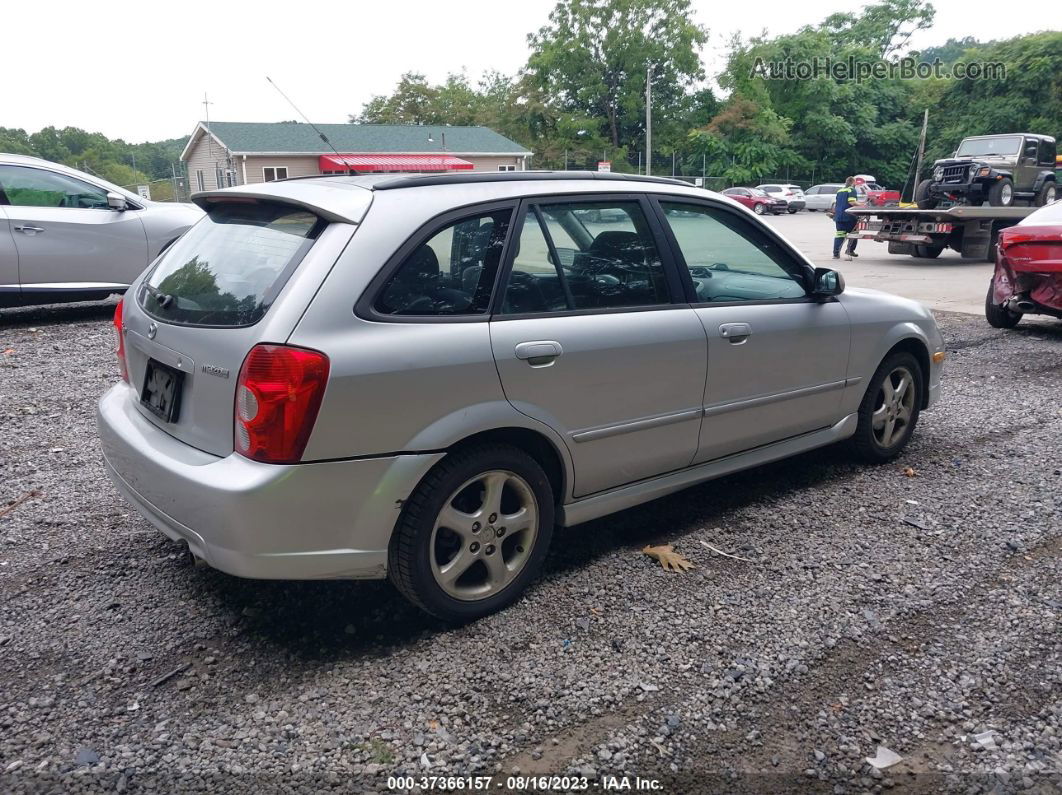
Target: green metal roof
{"points": [[241, 137]]}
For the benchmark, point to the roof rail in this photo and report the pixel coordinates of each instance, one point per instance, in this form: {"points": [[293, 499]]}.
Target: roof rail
{"points": [[421, 180]]}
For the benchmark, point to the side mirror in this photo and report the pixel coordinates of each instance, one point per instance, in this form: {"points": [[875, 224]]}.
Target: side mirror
{"points": [[116, 201], [828, 283]]}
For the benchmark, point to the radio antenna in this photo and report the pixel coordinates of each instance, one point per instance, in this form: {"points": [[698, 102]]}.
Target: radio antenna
{"points": [[320, 134]]}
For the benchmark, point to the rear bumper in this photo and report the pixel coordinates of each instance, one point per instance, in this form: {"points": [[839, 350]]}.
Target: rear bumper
{"points": [[263, 521]]}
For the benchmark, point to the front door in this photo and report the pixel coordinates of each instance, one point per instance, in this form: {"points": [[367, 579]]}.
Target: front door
{"points": [[9, 284], [589, 340], [777, 359], [66, 235]]}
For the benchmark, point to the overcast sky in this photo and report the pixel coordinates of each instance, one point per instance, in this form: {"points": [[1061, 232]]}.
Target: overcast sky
{"points": [[138, 71]]}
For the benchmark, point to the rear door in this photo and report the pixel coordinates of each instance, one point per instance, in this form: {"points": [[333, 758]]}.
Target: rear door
{"points": [[9, 284], [777, 359], [593, 337], [66, 235], [197, 314]]}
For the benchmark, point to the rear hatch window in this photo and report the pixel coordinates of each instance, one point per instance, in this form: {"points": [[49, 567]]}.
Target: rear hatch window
{"points": [[228, 269]]}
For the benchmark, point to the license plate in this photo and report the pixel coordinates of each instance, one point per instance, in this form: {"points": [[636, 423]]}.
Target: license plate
{"points": [[162, 391]]}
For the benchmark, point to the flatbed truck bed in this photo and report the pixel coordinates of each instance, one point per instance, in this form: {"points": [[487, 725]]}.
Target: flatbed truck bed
{"points": [[971, 231]]}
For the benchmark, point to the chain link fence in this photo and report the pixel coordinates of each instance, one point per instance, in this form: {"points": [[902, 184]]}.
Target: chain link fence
{"points": [[172, 189]]}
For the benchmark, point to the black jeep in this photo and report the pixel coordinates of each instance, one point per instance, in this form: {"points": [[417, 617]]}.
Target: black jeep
{"points": [[999, 169]]}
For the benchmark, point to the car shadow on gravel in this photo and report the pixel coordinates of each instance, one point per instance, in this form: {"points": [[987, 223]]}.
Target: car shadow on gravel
{"points": [[57, 314], [336, 620]]}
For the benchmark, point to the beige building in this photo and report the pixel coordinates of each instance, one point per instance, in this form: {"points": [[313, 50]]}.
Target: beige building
{"points": [[222, 154]]}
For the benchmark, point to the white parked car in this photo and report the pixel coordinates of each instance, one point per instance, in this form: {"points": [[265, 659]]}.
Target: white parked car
{"points": [[821, 197], [793, 195], [69, 236]]}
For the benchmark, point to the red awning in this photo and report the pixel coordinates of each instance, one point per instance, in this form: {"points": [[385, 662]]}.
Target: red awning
{"points": [[375, 163]]}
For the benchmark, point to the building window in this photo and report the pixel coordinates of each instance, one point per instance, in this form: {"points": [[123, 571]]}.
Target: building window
{"points": [[506, 168], [230, 178], [219, 177], [272, 174], [199, 180]]}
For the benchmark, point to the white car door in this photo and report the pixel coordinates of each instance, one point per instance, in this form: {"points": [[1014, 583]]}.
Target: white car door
{"points": [[66, 236]]}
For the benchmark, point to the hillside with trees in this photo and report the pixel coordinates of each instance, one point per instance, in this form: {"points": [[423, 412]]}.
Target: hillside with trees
{"points": [[112, 160], [581, 95]]}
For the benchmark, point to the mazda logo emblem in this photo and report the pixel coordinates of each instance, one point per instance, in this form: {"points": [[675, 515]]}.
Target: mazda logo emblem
{"points": [[153, 329]]}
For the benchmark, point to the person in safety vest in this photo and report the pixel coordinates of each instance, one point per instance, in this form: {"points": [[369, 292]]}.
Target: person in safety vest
{"points": [[845, 221]]}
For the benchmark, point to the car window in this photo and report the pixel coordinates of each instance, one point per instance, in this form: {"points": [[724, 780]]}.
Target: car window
{"points": [[1047, 152], [586, 255], [450, 273], [227, 269], [1050, 214], [35, 187], [729, 258], [772, 189]]}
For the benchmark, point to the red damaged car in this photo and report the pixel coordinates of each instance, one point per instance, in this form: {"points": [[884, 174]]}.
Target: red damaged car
{"points": [[1028, 276]]}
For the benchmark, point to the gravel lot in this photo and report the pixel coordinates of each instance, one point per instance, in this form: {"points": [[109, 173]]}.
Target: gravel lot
{"points": [[913, 611]]}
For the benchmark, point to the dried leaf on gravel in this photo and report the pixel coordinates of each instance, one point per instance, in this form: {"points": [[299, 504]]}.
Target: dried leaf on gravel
{"points": [[910, 472], [670, 560]]}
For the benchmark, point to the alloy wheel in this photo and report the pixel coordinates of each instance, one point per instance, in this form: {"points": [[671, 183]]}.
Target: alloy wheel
{"points": [[484, 535], [894, 407]]}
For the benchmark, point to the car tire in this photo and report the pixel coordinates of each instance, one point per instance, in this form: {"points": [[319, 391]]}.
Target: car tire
{"points": [[758, 209], [1048, 193], [922, 197], [999, 316], [464, 572], [877, 438], [792, 210], [1001, 193], [927, 252]]}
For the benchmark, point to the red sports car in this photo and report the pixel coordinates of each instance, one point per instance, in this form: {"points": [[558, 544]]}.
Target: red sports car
{"points": [[1028, 276], [756, 200]]}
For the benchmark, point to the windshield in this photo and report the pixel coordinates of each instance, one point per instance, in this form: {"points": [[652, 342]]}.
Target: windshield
{"points": [[228, 268], [975, 147], [1049, 215]]}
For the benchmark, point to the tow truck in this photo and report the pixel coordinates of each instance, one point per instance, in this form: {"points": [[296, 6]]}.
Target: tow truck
{"points": [[971, 231]]}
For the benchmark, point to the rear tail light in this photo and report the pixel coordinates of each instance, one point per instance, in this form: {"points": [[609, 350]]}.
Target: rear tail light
{"points": [[278, 395], [120, 352]]}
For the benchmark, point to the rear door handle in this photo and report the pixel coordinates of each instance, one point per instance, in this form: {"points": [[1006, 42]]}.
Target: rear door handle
{"points": [[735, 333], [29, 230], [539, 353]]}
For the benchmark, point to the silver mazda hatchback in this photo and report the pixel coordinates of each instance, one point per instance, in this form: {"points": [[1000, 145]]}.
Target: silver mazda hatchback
{"points": [[419, 377]]}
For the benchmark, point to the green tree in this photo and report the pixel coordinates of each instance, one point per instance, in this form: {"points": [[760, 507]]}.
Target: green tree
{"points": [[1029, 99], [593, 55]]}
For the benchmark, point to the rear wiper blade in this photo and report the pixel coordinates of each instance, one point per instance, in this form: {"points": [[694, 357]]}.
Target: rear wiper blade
{"points": [[163, 299]]}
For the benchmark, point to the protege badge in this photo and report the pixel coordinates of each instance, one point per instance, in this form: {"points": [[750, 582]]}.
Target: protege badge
{"points": [[210, 369]]}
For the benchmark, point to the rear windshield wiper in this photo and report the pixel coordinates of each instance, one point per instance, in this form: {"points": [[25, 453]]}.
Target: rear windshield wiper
{"points": [[163, 299]]}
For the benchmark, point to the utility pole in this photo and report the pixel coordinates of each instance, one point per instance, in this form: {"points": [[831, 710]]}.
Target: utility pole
{"points": [[649, 120]]}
